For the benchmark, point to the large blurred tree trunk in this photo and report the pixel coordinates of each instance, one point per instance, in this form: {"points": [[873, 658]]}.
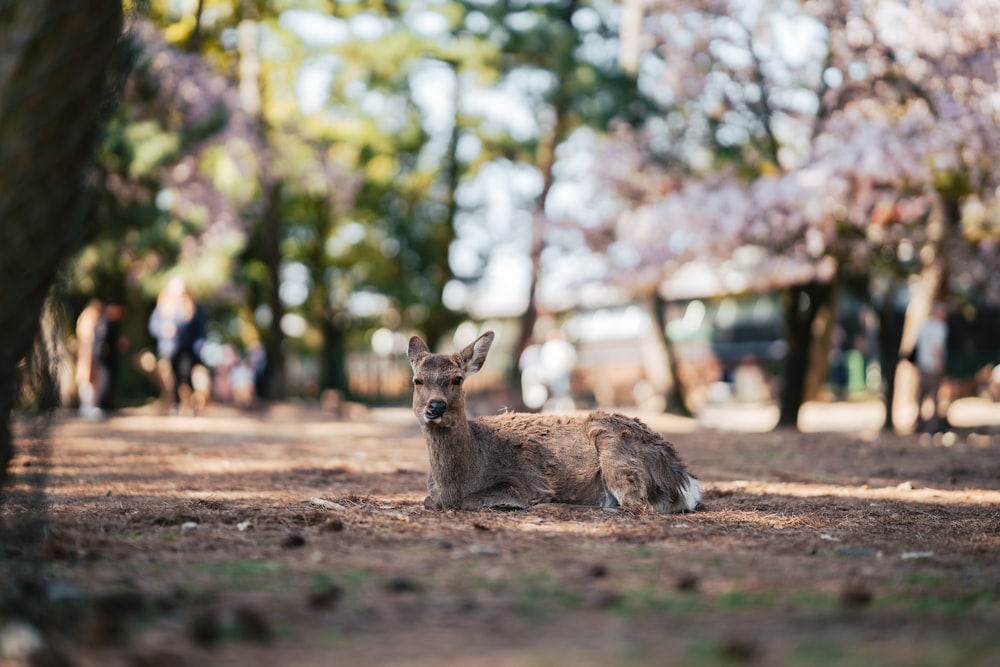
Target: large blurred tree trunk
{"points": [[53, 61], [252, 95], [802, 303], [274, 344]]}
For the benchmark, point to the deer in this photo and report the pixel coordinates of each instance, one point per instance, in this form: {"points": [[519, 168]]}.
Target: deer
{"points": [[515, 460]]}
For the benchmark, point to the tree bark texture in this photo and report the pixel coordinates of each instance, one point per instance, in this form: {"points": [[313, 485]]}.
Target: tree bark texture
{"points": [[54, 58]]}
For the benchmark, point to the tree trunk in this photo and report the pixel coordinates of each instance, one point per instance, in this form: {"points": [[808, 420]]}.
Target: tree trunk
{"points": [[823, 327], [333, 373], [333, 353], [801, 305], [195, 38], [528, 319], [441, 320], [252, 93], [676, 399], [274, 381], [53, 63], [888, 348], [545, 160]]}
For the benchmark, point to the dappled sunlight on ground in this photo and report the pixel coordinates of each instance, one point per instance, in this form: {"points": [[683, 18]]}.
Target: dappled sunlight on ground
{"points": [[904, 492], [313, 529], [861, 416], [745, 417], [972, 412]]}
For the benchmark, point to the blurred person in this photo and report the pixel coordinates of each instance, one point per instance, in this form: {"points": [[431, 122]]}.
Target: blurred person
{"points": [[534, 393], [222, 386], [929, 357], [234, 379], [242, 379], [108, 342], [201, 388], [258, 364], [749, 382], [87, 375], [557, 358], [179, 325]]}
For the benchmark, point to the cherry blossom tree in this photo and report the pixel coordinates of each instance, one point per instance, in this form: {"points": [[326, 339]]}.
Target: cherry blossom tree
{"points": [[867, 150]]}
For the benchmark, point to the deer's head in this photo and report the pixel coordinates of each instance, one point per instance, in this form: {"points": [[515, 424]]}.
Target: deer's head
{"points": [[438, 380]]}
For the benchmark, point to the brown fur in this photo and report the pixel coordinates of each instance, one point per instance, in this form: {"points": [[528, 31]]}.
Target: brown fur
{"points": [[516, 460]]}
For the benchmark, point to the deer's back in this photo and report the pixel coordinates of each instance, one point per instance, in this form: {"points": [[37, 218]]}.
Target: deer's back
{"points": [[557, 447], [569, 437], [553, 432]]}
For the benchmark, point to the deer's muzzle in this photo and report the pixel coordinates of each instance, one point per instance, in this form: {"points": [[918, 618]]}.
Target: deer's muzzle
{"points": [[435, 409]]}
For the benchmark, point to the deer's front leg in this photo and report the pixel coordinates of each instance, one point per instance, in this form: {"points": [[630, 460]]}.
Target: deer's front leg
{"points": [[433, 499], [500, 496]]}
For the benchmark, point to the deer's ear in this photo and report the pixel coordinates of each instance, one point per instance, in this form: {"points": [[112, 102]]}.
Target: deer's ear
{"points": [[474, 356], [417, 350]]}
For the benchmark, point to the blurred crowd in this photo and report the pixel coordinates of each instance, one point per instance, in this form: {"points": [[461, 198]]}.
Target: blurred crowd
{"points": [[178, 326], [557, 371]]}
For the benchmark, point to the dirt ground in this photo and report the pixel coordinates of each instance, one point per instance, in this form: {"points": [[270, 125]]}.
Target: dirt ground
{"points": [[290, 537]]}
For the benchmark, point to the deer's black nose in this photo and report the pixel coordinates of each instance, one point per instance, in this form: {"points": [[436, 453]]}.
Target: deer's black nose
{"points": [[437, 408]]}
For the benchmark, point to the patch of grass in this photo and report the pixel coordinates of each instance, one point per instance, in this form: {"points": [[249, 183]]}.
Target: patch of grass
{"points": [[968, 652], [485, 583], [824, 651], [352, 582], [653, 600], [932, 604], [650, 599], [815, 601], [721, 567], [742, 600], [630, 653], [353, 579], [704, 653], [155, 539], [821, 652], [321, 581], [243, 573], [641, 551], [924, 578], [539, 595]]}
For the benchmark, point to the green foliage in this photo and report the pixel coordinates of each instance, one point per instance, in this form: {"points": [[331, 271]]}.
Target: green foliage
{"points": [[367, 202]]}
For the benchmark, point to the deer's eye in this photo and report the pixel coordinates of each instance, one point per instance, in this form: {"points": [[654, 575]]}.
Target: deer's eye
{"points": [[458, 381], [417, 382]]}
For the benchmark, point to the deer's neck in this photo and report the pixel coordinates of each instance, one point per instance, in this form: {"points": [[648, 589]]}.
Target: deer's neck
{"points": [[454, 456]]}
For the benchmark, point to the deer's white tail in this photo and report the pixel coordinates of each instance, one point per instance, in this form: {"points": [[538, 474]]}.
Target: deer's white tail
{"points": [[690, 495]]}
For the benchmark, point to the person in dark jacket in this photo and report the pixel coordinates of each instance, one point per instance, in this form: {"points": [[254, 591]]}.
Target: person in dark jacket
{"points": [[179, 325]]}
